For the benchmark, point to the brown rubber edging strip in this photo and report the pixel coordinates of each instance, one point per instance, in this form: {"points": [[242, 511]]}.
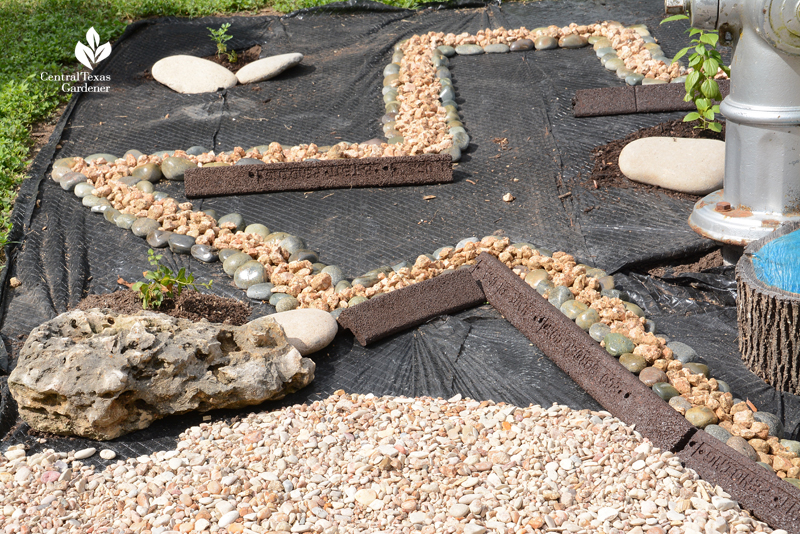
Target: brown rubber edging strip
{"points": [[621, 393], [313, 175], [771, 499], [639, 99], [568, 346], [389, 313], [592, 368]]}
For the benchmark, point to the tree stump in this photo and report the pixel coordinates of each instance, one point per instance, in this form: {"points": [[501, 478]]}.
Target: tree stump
{"points": [[769, 322]]}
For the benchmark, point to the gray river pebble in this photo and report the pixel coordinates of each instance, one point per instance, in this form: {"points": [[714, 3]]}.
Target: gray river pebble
{"points": [[204, 253], [250, 273], [234, 218], [158, 238], [124, 220], [181, 244], [143, 226], [260, 291], [234, 261]]}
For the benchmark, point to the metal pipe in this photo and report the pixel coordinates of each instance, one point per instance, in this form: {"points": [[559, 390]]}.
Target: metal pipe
{"points": [[762, 146]]}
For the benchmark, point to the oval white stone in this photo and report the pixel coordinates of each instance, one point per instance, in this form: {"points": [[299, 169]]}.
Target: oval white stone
{"points": [[85, 453], [308, 330], [694, 166], [267, 68], [366, 496], [190, 75], [228, 518]]}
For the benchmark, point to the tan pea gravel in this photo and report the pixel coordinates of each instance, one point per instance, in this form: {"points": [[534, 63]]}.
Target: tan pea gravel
{"points": [[363, 464]]}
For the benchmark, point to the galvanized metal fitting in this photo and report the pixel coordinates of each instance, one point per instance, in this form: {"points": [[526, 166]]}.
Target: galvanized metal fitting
{"points": [[675, 7]]}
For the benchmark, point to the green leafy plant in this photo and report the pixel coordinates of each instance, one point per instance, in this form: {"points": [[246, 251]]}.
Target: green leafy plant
{"points": [[163, 283], [220, 37], [701, 87]]}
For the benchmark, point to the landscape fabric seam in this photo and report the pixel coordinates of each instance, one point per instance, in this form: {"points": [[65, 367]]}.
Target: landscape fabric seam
{"points": [[311, 176], [592, 368]]}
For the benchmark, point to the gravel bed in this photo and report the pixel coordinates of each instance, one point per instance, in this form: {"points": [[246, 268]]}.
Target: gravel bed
{"points": [[358, 463]]}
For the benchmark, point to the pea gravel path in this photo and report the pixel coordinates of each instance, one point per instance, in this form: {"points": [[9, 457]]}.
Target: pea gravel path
{"points": [[362, 464]]}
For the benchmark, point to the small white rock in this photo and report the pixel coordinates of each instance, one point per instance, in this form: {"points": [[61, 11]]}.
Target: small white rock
{"points": [[694, 166], [638, 465], [366, 496], [228, 518], [191, 75], [14, 454], [722, 504], [473, 528], [201, 524], [606, 513], [267, 68], [107, 454], [459, 510], [417, 517], [85, 453], [223, 507]]}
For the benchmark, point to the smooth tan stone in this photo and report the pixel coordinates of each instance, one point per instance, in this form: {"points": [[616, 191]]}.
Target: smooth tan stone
{"points": [[190, 75], [694, 166]]}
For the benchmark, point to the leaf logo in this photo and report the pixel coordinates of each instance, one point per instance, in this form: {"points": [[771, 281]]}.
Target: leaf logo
{"points": [[91, 55]]}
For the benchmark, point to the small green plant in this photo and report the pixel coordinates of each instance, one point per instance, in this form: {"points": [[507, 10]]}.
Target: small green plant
{"points": [[163, 283], [220, 37], [701, 87]]}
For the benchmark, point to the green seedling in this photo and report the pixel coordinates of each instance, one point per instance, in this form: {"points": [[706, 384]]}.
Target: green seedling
{"points": [[163, 283], [220, 37], [701, 87]]}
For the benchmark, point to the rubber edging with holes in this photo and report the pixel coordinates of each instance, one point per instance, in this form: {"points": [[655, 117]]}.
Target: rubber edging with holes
{"points": [[387, 314], [771, 499], [314, 175], [592, 368]]}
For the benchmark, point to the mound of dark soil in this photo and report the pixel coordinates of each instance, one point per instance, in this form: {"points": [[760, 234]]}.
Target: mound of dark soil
{"points": [[606, 171], [191, 305], [243, 58]]}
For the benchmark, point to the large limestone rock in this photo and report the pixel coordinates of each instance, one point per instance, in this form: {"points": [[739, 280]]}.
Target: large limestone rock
{"points": [[99, 374], [694, 166]]}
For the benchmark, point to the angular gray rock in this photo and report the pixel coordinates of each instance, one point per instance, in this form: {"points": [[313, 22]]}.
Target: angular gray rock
{"points": [[99, 374]]}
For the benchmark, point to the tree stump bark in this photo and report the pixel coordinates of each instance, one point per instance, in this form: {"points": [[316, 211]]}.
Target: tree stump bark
{"points": [[769, 322]]}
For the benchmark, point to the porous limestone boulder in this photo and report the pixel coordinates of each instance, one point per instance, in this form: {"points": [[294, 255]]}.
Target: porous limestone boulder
{"points": [[99, 374]]}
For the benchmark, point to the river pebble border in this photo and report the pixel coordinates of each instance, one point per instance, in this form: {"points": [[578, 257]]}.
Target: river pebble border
{"points": [[359, 464], [280, 268]]}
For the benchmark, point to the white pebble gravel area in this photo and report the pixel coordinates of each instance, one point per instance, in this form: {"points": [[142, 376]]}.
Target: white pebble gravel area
{"points": [[365, 464]]}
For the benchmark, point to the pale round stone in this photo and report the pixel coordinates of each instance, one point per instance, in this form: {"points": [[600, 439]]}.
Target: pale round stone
{"points": [[308, 329], [694, 166], [189, 74], [267, 68], [85, 453]]}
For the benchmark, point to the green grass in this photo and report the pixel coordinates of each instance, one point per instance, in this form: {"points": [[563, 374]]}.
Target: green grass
{"points": [[39, 36]]}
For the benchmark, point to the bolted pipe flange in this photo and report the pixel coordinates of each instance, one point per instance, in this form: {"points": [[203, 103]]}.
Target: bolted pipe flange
{"points": [[780, 21]]}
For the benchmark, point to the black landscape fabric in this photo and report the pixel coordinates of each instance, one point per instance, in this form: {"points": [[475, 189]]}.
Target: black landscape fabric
{"points": [[64, 252]]}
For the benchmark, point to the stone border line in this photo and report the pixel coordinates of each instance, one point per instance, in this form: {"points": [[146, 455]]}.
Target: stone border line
{"points": [[311, 176], [599, 374], [640, 99], [394, 312]]}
